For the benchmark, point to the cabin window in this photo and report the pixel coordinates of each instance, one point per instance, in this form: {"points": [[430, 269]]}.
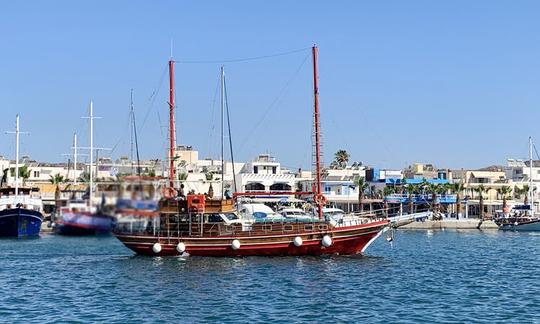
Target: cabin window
{"points": [[308, 227], [214, 218], [231, 216], [288, 228], [323, 227]]}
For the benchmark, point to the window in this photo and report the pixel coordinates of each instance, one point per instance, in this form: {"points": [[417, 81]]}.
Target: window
{"points": [[231, 216], [274, 170], [255, 169], [214, 218], [327, 189], [36, 174]]}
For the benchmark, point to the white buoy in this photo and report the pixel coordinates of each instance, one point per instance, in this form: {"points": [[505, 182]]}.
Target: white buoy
{"points": [[156, 248], [326, 241], [235, 244], [298, 241], [181, 247]]}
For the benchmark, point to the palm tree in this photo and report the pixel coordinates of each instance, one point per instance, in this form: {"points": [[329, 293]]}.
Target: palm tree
{"points": [[481, 190], [341, 157], [387, 191], [362, 187], [433, 189], [411, 190], [503, 192], [57, 179], [457, 188], [523, 191]]}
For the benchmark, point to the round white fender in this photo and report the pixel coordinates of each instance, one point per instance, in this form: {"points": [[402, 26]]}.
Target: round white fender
{"points": [[156, 247], [326, 241], [181, 247], [235, 244], [298, 241]]}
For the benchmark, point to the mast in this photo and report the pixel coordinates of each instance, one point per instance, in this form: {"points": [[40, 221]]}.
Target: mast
{"points": [[531, 195], [75, 158], [131, 130], [317, 131], [171, 124], [222, 132], [91, 118], [17, 134]]}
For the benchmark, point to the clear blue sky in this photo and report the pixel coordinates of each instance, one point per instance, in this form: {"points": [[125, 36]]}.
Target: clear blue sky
{"points": [[456, 83]]}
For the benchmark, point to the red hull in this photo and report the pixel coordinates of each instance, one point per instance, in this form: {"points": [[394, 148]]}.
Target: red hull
{"points": [[345, 241]]}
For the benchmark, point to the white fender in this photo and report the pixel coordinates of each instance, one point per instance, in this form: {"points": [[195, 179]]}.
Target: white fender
{"points": [[181, 247], [156, 247], [326, 241], [298, 241], [235, 244]]}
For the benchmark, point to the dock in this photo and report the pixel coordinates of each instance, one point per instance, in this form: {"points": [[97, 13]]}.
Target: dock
{"points": [[450, 224]]}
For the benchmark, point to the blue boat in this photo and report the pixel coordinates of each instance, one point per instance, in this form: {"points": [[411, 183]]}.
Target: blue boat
{"points": [[20, 222], [78, 219], [20, 215]]}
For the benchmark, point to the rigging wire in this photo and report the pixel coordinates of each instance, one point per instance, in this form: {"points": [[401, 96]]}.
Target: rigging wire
{"points": [[230, 136], [254, 58], [280, 96]]}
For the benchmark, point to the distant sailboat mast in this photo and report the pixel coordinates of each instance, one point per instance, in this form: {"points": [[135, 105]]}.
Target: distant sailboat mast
{"points": [[172, 142], [531, 191], [222, 82]]}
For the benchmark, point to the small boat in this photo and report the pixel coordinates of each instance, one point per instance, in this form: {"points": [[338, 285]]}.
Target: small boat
{"points": [[521, 217], [20, 208]]}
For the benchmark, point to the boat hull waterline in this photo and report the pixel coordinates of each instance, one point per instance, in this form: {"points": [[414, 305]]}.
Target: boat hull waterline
{"points": [[20, 222], [345, 241]]}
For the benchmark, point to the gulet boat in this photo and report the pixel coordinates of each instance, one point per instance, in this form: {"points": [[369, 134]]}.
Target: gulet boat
{"points": [[201, 226]]}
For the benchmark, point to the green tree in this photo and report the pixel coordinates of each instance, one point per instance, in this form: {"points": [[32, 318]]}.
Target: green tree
{"points": [[387, 191], [56, 180], [503, 192], [341, 157], [456, 189], [362, 186], [481, 190]]}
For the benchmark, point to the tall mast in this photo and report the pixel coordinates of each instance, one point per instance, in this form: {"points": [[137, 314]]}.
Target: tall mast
{"points": [[91, 118], [172, 144], [531, 195], [317, 131], [131, 130], [222, 132], [75, 158], [17, 134]]}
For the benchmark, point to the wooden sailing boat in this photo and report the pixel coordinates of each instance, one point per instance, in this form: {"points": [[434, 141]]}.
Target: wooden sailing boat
{"points": [[199, 226]]}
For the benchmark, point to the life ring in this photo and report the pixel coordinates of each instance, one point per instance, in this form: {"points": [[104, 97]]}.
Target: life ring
{"points": [[168, 192], [320, 199]]}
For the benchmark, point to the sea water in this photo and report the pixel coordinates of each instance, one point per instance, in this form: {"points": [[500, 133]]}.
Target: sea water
{"points": [[424, 276]]}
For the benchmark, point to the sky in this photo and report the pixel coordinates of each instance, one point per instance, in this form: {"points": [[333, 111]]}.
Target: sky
{"points": [[454, 83]]}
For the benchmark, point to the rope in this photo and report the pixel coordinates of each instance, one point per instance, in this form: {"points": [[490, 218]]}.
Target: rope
{"points": [[254, 58]]}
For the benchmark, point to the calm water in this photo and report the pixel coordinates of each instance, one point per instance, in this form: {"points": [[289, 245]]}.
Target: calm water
{"points": [[442, 276]]}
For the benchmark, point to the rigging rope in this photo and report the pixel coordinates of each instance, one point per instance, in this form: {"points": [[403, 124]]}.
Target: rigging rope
{"points": [[254, 58]]}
